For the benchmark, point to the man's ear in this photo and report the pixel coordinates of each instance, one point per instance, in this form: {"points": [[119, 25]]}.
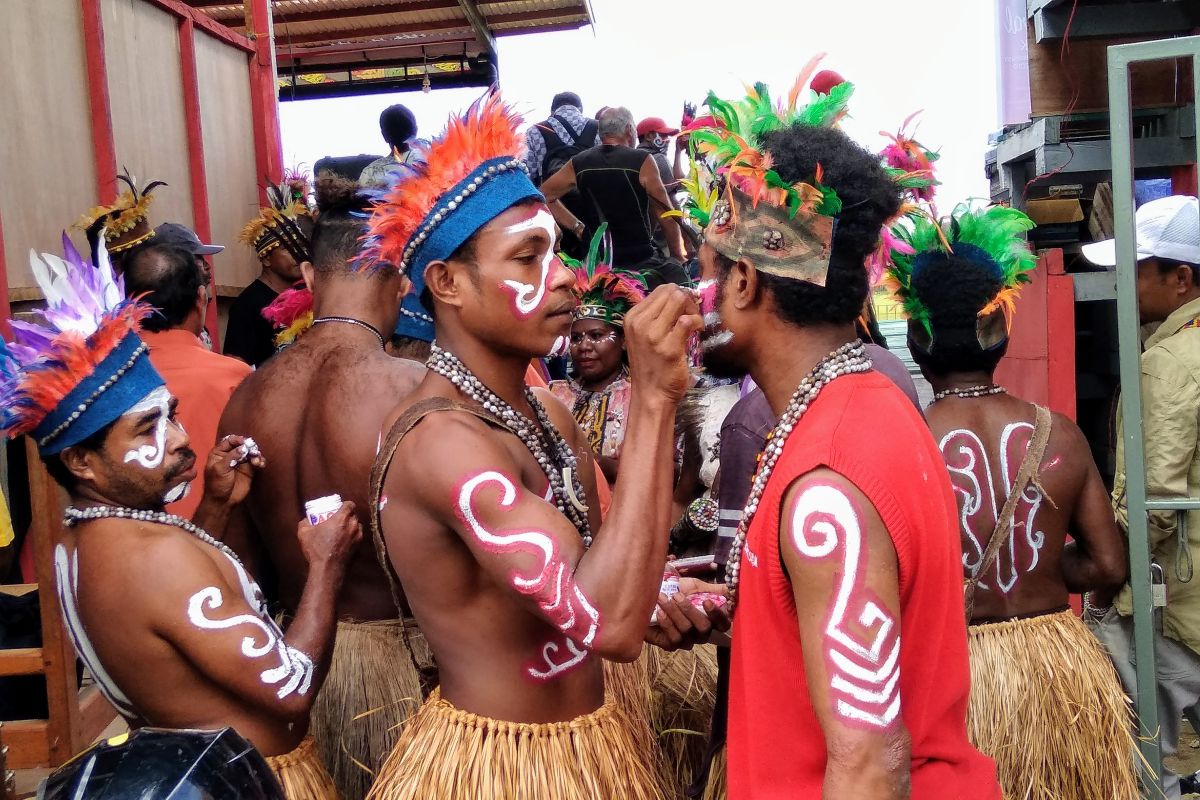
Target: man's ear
{"points": [[446, 281], [308, 271], [1185, 279], [741, 288], [79, 462]]}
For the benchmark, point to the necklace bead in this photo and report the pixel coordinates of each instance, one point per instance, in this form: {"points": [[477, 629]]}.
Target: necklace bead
{"points": [[72, 516], [848, 359], [984, 390], [552, 453]]}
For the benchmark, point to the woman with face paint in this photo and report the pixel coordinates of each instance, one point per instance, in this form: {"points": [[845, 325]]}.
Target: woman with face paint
{"points": [[599, 394]]}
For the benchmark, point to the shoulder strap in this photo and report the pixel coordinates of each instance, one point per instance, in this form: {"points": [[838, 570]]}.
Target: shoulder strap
{"points": [[1027, 473], [383, 460]]}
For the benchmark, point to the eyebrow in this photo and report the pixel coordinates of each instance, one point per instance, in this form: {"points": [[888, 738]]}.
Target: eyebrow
{"points": [[146, 418]]}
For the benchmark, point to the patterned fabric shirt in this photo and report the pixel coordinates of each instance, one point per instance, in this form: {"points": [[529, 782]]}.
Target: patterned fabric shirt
{"points": [[602, 415], [535, 142]]}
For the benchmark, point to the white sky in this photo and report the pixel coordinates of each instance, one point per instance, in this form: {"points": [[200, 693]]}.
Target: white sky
{"points": [[936, 55]]}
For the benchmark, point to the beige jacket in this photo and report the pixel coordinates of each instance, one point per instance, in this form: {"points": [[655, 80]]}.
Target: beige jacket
{"points": [[1171, 424]]}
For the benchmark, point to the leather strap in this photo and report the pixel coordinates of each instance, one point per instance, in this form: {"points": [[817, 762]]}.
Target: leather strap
{"points": [[1026, 474], [383, 460]]}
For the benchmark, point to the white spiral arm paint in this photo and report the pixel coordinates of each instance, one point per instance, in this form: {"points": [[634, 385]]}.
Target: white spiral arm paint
{"points": [[864, 674]]}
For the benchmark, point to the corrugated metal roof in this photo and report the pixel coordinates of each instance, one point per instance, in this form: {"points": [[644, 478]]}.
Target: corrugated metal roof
{"points": [[325, 47]]}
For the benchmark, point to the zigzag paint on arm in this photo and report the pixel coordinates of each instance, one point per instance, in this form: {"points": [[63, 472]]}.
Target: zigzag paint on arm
{"points": [[551, 584], [864, 670]]}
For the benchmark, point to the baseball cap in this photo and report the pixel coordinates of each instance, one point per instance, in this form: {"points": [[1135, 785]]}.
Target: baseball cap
{"points": [[183, 237], [655, 125], [1166, 228]]}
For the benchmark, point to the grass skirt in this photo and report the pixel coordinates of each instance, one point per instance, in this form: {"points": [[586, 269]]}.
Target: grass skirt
{"points": [[684, 690], [302, 775], [449, 754], [374, 685], [718, 777], [1046, 704]]}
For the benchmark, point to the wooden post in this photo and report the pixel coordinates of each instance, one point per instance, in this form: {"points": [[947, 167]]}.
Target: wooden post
{"points": [[264, 98], [104, 149]]}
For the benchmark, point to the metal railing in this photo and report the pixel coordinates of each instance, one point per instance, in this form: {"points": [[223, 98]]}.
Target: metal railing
{"points": [[1120, 57]]}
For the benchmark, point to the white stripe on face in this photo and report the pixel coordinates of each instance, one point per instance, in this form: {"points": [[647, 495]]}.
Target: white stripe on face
{"points": [[527, 298]]}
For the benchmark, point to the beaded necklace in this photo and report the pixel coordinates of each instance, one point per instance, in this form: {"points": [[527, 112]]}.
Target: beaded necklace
{"points": [[846, 360], [539, 435], [73, 516], [969, 392]]}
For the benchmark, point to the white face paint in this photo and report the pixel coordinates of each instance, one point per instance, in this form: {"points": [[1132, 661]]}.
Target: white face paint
{"points": [[178, 493], [560, 347], [526, 297], [150, 456]]}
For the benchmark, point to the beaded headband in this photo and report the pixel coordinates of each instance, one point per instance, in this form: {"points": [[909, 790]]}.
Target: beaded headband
{"points": [[472, 173], [604, 293], [64, 379], [126, 222]]}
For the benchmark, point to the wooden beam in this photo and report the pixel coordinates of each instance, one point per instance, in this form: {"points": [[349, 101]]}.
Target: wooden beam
{"points": [[26, 743], [201, 220], [95, 714], [372, 54], [58, 652], [556, 26], [478, 24], [378, 32], [5, 307], [264, 99], [325, 15], [205, 22], [104, 149], [21, 661]]}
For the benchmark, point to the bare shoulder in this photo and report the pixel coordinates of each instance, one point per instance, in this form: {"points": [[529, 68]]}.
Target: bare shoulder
{"points": [[824, 489], [142, 558], [440, 449], [557, 410]]}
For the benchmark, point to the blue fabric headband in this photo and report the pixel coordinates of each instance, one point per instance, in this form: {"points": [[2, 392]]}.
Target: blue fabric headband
{"points": [[414, 321], [490, 189], [124, 377]]}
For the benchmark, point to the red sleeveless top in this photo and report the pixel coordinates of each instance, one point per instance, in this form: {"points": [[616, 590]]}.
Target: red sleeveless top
{"points": [[865, 429]]}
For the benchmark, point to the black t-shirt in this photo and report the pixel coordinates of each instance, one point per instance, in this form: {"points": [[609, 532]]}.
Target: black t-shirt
{"points": [[609, 179], [250, 337]]}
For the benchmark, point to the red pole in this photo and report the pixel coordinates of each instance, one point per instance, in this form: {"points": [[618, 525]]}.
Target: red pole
{"points": [[104, 149], [268, 147], [195, 135]]}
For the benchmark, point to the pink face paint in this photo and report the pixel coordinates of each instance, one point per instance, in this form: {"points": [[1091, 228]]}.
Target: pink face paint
{"points": [[551, 585], [862, 660], [979, 505], [561, 347], [528, 298]]}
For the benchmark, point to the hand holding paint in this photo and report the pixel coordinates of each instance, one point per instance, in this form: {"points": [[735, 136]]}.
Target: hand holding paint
{"points": [[328, 544], [657, 331], [230, 469]]}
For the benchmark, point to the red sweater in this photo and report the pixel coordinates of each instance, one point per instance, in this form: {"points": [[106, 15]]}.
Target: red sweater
{"points": [[865, 429]]}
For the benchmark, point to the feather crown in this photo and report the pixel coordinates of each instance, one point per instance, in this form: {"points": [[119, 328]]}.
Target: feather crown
{"points": [[990, 239], [84, 365], [125, 222], [604, 293], [473, 172], [278, 222], [786, 228]]}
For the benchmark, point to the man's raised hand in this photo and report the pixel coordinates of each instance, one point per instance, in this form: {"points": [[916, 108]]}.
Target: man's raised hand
{"points": [[656, 337], [330, 543]]}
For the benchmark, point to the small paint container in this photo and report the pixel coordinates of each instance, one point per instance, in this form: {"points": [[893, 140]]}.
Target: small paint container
{"points": [[670, 583], [322, 508]]}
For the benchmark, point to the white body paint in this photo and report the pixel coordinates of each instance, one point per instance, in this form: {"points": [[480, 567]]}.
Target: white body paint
{"points": [[560, 603], [864, 674], [294, 669], [526, 297], [560, 347], [971, 474], [66, 573], [150, 456]]}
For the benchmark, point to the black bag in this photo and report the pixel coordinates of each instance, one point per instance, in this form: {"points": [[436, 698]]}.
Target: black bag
{"points": [[558, 152]]}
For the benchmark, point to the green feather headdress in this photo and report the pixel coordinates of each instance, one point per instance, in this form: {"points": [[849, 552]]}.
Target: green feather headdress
{"points": [[992, 238], [604, 293]]}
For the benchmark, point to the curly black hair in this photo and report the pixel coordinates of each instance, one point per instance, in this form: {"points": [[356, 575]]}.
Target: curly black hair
{"points": [[869, 199], [341, 223], [955, 288], [170, 280]]}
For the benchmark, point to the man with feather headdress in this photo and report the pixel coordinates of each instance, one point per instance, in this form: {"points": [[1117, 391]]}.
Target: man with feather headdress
{"points": [[165, 617], [279, 236], [122, 226], [843, 573], [492, 539], [318, 407], [1045, 702]]}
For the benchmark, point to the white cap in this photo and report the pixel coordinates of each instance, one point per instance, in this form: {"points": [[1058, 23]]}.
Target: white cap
{"points": [[1166, 228]]}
